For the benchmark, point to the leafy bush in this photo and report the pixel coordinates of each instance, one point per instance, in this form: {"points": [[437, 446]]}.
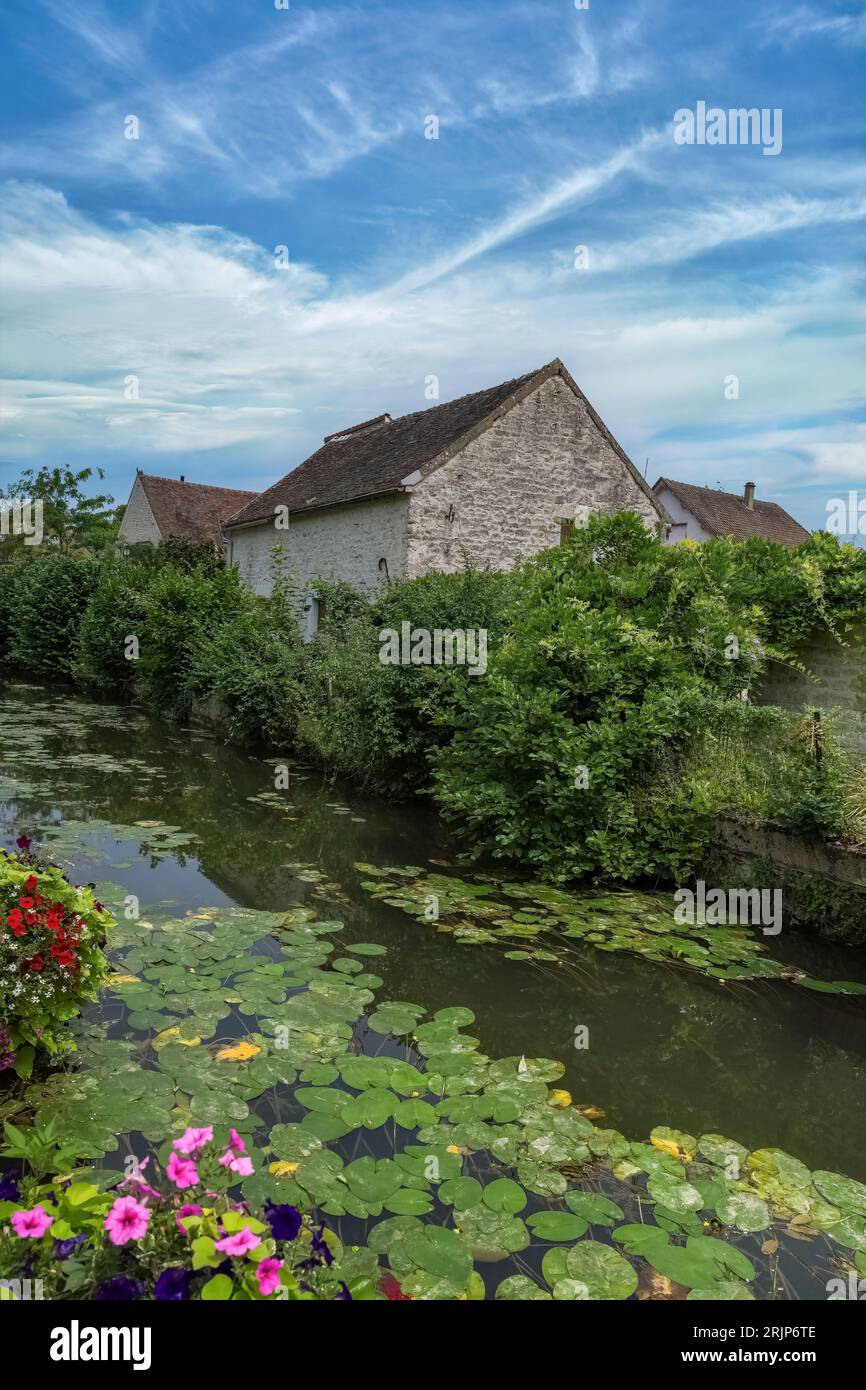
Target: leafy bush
{"points": [[47, 603], [51, 957], [117, 610], [8, 576], [250, 662], [182, 609], [573, 755]]}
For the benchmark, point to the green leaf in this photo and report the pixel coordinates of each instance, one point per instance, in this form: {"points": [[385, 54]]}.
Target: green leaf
{"points": [[218, 1289], [504, 1195]]}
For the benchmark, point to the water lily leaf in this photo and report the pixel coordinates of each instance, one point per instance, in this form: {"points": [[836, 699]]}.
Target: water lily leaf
{"points": [[370, 1109], [674, 1193], [593, 1207], [745, 1210], [440, 1252], [518, 1288], [556, 1225], [408, 1202], [504, 1195], [726, 1291], [842, 1192], [725, 1153], [238, 1052], [606, 1274], [461, 1192]]}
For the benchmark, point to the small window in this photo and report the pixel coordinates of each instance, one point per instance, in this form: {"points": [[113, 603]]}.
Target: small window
{"points": [[566, 531]]}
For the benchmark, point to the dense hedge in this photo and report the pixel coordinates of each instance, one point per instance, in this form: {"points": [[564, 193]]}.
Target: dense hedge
{"points": [[609, 727]]}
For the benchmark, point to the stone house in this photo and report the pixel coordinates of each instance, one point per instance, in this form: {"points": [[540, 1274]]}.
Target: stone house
{"points": [[163, 507], [488, 479], [700, 513]]}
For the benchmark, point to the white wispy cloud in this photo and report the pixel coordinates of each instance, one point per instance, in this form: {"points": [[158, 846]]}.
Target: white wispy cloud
{"points": [[801, 23]]}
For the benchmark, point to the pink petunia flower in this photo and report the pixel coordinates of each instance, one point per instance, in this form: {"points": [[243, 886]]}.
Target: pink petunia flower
{"points": [[242, 1165], [240, 1243], [182, 1171], [268, 1275], [126, 1221], [31, 1225], [236, 1141], [188, 1209], [193, 1139]]}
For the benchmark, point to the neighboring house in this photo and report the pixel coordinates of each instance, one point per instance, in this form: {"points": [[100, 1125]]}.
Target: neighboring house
{"points": [[700, 513], [489, 479], [162, 507]]}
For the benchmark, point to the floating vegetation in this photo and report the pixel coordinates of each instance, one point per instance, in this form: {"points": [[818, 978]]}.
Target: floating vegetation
{"points": [[429, 1158], [538, 922]]}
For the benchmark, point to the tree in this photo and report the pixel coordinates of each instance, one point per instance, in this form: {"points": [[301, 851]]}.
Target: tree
{"points": [[71, 520]]}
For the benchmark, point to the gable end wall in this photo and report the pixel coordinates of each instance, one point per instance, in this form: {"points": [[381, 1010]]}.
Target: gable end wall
{"points": [[138, 520], [511, 486]]}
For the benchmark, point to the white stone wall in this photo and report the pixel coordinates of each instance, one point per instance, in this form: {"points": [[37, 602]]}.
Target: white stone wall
{"points": [[683, 517], [138, 521], [345, 542], [502, 499]]}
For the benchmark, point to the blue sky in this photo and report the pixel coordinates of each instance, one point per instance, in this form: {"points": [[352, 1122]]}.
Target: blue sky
{"points": [[411, 258]]}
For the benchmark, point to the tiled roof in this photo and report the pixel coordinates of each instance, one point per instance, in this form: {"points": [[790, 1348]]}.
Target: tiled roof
{"points": [[193, 510], [377, 456], [726, 514]]}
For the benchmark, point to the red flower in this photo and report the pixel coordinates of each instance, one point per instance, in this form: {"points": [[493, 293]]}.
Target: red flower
{"points": [[37, 963], [26, 902], [15, 917], [18, 928], [30, 884], [63, 957]]}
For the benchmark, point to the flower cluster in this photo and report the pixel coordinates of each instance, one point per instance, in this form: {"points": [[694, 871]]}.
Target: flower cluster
{"points": [[180, 1235], [51, 958]]}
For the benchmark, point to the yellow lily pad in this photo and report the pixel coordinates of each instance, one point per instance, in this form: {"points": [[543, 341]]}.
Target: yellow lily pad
{"points": [[238, 1052]]}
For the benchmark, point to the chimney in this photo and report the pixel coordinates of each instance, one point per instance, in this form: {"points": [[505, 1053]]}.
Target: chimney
{"points": [[183, 480], [749, 496]]}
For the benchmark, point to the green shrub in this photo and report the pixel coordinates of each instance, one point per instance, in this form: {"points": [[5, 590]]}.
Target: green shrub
{"points": [[250, 662], [8, 576], [117, 611], [571, 756], [181, 610], [48, 600]]}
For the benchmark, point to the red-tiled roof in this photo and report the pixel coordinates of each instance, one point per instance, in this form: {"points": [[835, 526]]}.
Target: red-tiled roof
{"points": [[194, 510], [726, 514]]}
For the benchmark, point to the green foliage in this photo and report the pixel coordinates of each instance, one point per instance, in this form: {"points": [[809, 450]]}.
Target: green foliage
{"points": [[51, 956], [70, 519], [45, 608], [250, 662], [117, 610], [182, 609], [581, 750]]}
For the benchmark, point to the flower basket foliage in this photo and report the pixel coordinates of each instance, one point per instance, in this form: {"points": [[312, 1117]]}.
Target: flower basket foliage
{"points": [[52, 961]]}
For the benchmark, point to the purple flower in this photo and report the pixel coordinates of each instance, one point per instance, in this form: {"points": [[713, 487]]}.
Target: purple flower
{"points": [[23, 843], [344, 1295], [120, 1289], [320, 1246], [65, 1249], [9, 1188], [285, 1221], [172, 1285]]}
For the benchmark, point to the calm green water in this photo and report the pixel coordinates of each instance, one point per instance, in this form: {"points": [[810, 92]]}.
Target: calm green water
{"points": [[764, 1062]]}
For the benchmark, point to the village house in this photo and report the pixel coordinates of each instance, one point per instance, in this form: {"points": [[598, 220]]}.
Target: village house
{"points": [[488, 479], [700, 513], [163, 507]]}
